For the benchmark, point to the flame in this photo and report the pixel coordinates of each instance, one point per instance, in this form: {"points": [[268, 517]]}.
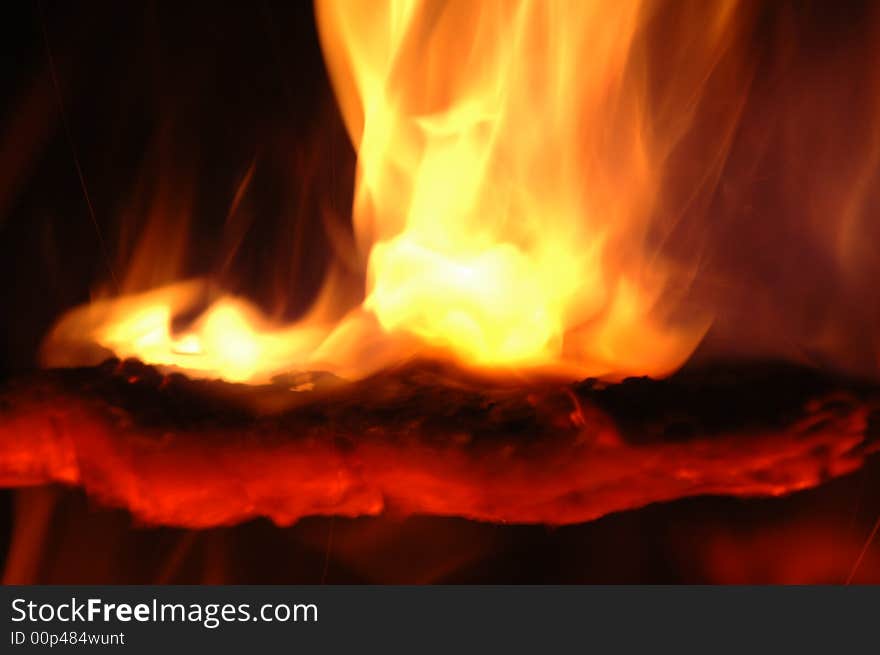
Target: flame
{"points": [[511, 157], [231, 339], [507, 177]]}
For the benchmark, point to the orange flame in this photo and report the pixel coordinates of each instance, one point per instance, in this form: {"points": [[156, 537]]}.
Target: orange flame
{"points": [[510, 160], [508, 171]]}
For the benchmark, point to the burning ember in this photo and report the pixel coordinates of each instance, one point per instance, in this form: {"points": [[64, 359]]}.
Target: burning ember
{"points": [[600, 255], [425, 440]]}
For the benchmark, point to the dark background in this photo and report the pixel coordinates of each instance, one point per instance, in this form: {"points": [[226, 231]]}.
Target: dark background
{"points": [[163, 108]]}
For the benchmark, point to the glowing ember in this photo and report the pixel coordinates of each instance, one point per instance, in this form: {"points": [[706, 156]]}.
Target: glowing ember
{"points": [[181, 452]]}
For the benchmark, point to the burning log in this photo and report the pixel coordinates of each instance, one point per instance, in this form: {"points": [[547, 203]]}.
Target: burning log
{"points": [[424, 438]]}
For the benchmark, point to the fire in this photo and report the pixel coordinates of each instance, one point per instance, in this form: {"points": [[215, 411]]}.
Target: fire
{"points": [[511, 157], [505, 162]]}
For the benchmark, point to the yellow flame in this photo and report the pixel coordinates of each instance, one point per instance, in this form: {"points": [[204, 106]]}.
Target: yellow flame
{"points": [[507, 175], [509, 168], [230, 340]]}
